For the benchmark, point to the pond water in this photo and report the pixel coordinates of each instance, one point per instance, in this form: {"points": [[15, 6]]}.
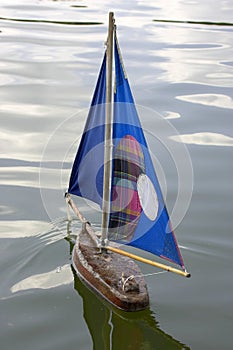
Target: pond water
{"points": [[178, 57]]}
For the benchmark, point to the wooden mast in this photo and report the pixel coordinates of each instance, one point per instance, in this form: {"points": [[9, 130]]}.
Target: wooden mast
{"points": [[108, 136]]}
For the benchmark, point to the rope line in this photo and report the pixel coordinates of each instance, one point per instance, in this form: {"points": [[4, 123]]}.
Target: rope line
{"points": [[142, 275]]}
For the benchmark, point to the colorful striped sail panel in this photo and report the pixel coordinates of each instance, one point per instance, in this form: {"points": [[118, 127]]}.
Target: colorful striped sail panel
{"points": [[128, 164], [138, 214]]}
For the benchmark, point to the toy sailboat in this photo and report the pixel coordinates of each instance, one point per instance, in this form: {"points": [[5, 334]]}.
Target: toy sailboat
{"points": [[113, 168]]}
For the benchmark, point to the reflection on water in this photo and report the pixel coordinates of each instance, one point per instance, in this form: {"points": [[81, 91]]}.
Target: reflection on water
{"points": [[119, 330], [44, 280], [216, 100], [116, 329], [205, 139]]}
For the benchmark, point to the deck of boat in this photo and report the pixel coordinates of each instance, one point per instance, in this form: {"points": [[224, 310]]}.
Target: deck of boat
{"points": [[116, 278]]}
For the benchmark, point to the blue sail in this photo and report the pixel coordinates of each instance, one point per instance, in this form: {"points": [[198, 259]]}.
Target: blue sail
{"points": [[86, 178], [138, 214]]}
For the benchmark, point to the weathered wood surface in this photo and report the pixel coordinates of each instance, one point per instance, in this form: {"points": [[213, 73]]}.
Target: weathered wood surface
{"points": [[109, 274]]}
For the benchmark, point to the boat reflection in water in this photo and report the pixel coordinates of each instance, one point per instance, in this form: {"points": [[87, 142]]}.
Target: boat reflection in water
{"points": [[111, 328]]}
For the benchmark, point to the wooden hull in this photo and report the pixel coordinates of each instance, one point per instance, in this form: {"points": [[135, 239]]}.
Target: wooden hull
{"points": [[109, 274]]}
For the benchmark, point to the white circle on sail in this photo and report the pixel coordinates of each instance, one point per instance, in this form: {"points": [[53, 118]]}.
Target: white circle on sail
{"points": [[147, 196]]}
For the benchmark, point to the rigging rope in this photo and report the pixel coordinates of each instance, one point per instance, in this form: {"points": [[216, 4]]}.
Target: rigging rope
{"points": [[138, 276]]}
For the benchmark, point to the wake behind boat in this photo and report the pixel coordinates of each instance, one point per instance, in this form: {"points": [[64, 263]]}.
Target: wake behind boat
{"points": [[113, 168]]}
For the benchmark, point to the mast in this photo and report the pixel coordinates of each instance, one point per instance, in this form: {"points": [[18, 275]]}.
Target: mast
{"points": [[108, 136]]}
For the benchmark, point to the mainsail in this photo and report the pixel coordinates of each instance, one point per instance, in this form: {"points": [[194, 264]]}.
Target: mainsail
{"points": [[86, 178], [138, 215]]}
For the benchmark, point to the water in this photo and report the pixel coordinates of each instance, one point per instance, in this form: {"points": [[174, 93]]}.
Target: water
{"points": [[50, 56]]}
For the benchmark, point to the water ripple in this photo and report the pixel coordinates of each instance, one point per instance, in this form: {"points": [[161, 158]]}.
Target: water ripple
{"points": [[45, 280], [216, 100], [205, 139], [207, 23], [72, 23]]}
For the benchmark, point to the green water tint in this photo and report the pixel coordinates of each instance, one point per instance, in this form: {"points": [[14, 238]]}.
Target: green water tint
{"points": [[120, 330], [181, 70]]}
